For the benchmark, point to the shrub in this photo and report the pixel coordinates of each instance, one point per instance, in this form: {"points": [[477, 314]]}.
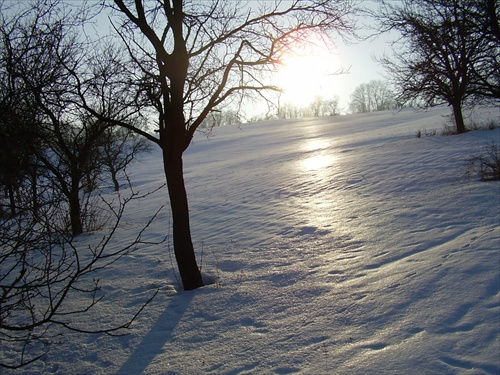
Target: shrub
{"points": [[426, 133], [487, 164]]}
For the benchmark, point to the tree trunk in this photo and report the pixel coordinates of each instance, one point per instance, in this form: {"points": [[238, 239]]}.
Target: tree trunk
{"points": [[75, 214], [116, 184], [183, 245], [459, 118]]}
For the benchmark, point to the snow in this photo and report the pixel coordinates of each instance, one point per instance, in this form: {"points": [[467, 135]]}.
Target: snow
{"points": [[342, 245]]}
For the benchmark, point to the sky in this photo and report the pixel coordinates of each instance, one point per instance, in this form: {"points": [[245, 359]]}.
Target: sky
{"points": [[356, 57], [359, 58], [303, 84]]}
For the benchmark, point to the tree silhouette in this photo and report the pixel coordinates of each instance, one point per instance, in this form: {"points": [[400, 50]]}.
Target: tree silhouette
{"points": [[448, 52], [372, 96], [187, 58]]}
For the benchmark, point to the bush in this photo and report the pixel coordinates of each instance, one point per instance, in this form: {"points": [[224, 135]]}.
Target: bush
{"points": [[486, 165], [426, 133]]}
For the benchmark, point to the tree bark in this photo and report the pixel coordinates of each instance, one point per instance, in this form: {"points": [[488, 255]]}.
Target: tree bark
{"points": [[183, 245], [459, 118], [116, 184], [75, 214]]}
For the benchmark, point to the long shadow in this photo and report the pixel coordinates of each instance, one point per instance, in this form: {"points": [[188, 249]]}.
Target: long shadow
{"points": [[152, 344]]}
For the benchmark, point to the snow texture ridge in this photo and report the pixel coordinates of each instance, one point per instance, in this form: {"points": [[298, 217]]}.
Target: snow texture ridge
{"points": [[341, 245]]}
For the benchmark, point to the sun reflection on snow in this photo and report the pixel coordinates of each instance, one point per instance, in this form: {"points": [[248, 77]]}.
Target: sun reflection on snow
{"points": [[315, 144], [316, 204], [317, 155], [317, 162]]}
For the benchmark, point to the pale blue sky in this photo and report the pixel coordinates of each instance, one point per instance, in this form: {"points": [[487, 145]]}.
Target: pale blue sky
{"points": [[355, 56], [359, 57]]}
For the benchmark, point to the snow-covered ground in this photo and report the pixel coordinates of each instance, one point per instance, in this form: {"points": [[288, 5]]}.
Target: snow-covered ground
{"points": [[341, 245]]}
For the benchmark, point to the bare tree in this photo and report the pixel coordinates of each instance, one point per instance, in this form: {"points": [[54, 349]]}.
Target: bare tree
{"points": [[288, 110], [35, 48], [39, 53], [448, 51], [372, 96], [17, 160], [330, 107], [18, 140], [484, 17], [118, 148], [221, 118], [319, 107], [190, 57], [359, 100], [48, 282], [316, 106]]}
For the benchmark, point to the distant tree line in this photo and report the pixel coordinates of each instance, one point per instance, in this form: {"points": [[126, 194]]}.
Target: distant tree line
{"points": [[375, 95], [319, 107], [221, 118]]}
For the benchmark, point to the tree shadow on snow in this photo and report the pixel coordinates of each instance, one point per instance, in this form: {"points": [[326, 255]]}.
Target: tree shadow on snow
{"points": [[160, 333]]}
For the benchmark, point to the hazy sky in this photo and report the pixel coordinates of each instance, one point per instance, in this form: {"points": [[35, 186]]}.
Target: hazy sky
{"points": [[359, 57], [316, 79]]}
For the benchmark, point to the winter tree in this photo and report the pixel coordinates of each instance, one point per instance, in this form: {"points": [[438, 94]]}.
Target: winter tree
{"points": [[45, 126], [35, 51], [330, 107], [448, 52], [50, 284], [221, 118], [48, 146], [289, 110], [187, 58], [370, 97], [118, 147]]}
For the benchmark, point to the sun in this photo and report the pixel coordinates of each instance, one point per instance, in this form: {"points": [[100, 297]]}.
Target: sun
{"points": [[306, 72]]}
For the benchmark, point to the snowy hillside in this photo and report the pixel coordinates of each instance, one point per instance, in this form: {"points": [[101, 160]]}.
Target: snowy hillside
{"points": [[341, 245]]}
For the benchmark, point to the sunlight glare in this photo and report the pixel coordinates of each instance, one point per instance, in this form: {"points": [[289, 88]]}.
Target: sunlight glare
{"points": [[317, 162], [319, 157], [306, 71]]}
